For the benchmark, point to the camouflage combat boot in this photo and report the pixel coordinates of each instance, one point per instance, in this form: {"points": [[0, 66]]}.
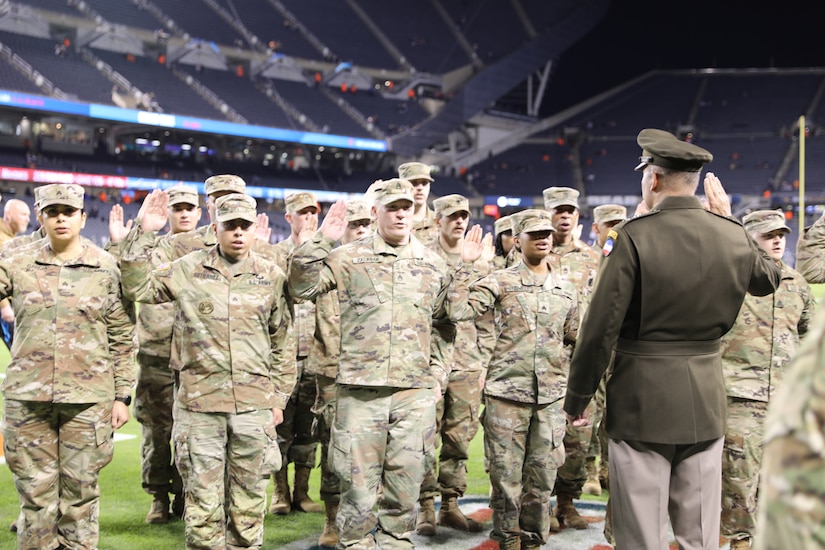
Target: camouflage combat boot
{"points": [[450, 515], [592, 485], [329, 538], [280, 495], [567, 513], [159, 512], [426, 518], [300, 496], [555, 526]]}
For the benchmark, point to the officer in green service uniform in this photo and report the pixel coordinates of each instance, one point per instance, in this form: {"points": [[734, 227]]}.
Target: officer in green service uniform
{"points": [[669, 289]]}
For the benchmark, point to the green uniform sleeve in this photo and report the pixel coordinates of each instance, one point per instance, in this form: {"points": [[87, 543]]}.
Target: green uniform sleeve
{"points": [[309, 274]]}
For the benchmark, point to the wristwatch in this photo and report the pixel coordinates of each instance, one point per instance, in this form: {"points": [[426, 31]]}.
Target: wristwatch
{"points": [[125, 400]]}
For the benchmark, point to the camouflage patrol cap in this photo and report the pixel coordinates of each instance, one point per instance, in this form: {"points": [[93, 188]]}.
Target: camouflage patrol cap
{"points": [[663, 149], [396, 189], [560, 196], [358, 210], [224, 182], [236, 206], [450, 204], [36, 192], [369, 194], [609, 213], [415, 171], [182, 194], [765, 221], [68, 194], [295, 202], [504, 223], [533, 219]]}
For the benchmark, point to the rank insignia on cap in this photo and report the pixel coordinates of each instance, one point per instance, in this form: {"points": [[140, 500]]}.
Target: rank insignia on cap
{"points": [[608, 244]]}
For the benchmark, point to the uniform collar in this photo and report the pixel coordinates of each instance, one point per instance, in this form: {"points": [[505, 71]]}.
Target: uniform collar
{"points": [[678, 203]]}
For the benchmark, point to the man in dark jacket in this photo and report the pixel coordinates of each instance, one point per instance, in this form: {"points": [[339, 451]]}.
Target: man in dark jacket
{"points": [[671, 285]]}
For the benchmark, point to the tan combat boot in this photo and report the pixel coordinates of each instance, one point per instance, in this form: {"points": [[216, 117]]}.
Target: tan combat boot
{"points": [[159, 512], [592, 485], [741, 544], [426, 517], [329, 538], [555, 526], [567, 513], [510, 543], [300, 492], [280, 495], [451, 515]]}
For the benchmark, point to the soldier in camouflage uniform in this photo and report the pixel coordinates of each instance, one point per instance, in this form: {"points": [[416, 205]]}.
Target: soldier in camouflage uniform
{"points": [[323, 363], [792, 486], [391, 288], [236, 368], [578, 263], [605, 217], [70, 378], [810, 252], [36, 235], [154, 395], [503, 236], [523, 422], [754, 355], [457, 413], [418, 174], [295, 436]]}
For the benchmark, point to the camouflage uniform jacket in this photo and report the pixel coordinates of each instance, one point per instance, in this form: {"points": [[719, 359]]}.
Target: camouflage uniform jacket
{"points": [[810, 253], [535, 320], [425, 229], [304, 310], [578, 263], [21, 241], [74, 337], [234, 351], [388, 297], [326, 345], [468, 353], [765, 336]]}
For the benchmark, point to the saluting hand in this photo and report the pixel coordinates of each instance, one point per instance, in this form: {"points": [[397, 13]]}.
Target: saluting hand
{"points": [[473, 246], [155, 211], [335, 222], [488, 250], [717, 200], [117, 229], [308, 230]]}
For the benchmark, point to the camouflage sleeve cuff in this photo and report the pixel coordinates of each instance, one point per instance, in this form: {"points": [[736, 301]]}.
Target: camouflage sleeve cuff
{"points": [[280, 401]]}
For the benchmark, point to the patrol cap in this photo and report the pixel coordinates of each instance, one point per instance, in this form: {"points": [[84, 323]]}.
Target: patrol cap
{"points": [[450, 204], [765, 221], [369, 195], [415, 171], [68, 194], [560, 196], [224, 182], [236, 206], [182, 194], [396, 189], [663, 149], [358, 210], [504, 223], [533, 219], [609, 213], [295, 202]]}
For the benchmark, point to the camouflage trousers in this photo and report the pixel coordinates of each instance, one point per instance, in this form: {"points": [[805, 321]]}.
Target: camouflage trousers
{"points": [[379, 438], [524, 444], [572, 474], [598, 437], [295, 437], [324, 410], [457, 422], [741, 462], [225, 461], [154, 398], [56, 452]]}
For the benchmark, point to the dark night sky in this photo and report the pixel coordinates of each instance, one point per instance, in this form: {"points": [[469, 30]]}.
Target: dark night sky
{"points": [[637, 36]]}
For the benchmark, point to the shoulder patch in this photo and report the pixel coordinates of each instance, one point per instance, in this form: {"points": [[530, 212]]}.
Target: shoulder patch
{"points": [[164, 269], [610, 242]]}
